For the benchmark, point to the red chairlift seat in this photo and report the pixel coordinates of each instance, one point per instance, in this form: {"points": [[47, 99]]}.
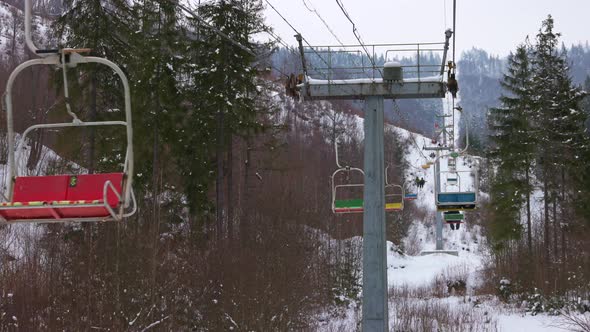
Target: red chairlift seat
{"points": [[88, 197], [62, 198]]}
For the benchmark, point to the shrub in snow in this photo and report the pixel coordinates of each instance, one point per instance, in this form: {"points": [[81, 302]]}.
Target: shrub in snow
{"points": [[537, 303], [582, 306], [456, 286], [505, 290]]}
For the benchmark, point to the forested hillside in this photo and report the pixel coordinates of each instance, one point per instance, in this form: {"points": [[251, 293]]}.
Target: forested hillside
{"points": [[234, 178]]}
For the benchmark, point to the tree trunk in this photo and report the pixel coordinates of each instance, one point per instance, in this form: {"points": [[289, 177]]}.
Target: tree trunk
{"points": [[546, 221], [528, 214], [219, 182], [245, 220], [555, 228], [229, 203], [155, 224]]}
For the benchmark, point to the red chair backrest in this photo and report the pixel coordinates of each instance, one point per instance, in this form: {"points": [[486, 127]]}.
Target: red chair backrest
{"points": [[88, 187], [91, 186], [40, 188]]}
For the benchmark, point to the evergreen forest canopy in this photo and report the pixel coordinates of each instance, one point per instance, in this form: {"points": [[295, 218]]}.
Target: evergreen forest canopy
{"points": [[539, 155], [480, 73]]}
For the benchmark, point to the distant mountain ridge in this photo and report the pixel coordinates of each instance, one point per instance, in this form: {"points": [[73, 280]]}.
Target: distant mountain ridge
{"points": [[479, 75]]}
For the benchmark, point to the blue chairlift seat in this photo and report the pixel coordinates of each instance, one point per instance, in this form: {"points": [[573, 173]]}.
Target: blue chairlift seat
{"points": [[456, 201], [409, 197]]}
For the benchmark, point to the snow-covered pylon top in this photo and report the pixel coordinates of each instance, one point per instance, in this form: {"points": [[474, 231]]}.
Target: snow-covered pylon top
{"points": [[394, 71]]}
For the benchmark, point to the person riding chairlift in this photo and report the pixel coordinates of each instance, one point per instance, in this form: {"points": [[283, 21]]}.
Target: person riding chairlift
{"points": [[455, 225], [420, 182]]}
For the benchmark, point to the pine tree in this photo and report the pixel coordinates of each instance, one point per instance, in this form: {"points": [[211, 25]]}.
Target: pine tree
{"points": [[513, 153], [586, 103], [581, 173], [581, 185], [159, 44], [560, 127], [222, 94]]}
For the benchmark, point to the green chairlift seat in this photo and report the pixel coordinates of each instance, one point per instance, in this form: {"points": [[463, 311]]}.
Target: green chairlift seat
{"points": [[348, 205], [347, 197], [454, 216]]}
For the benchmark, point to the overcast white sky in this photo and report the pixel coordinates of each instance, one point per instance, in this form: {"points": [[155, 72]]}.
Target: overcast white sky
{"points": [[495, 25]]}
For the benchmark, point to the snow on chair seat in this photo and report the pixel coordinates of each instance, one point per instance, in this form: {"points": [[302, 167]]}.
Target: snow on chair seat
{"points": [[64, 197]]}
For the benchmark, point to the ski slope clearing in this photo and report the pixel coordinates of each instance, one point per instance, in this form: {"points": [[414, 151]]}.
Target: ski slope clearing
{"points": [[423, 289]]}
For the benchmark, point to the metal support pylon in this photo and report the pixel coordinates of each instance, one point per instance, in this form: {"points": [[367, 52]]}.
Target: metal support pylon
{"points": [[375, 309], [375, 313]]}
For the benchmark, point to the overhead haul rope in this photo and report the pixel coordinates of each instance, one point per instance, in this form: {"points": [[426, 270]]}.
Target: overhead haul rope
{"points": [[348, 90], [454, 27], [277, 38], [315, 11], [227, 37], [214, 29], [357, 35], [310, 47], [454, 63], [236, 43], [445, 13], [399, 113]]}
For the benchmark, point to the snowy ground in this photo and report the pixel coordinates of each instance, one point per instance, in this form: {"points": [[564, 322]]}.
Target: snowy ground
{"points": [[414, 272], [527, 323]]}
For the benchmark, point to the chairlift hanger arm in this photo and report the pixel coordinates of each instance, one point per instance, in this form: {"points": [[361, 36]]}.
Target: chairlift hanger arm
{"points": [[214, 29], [448, 34], [66, 197]]}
